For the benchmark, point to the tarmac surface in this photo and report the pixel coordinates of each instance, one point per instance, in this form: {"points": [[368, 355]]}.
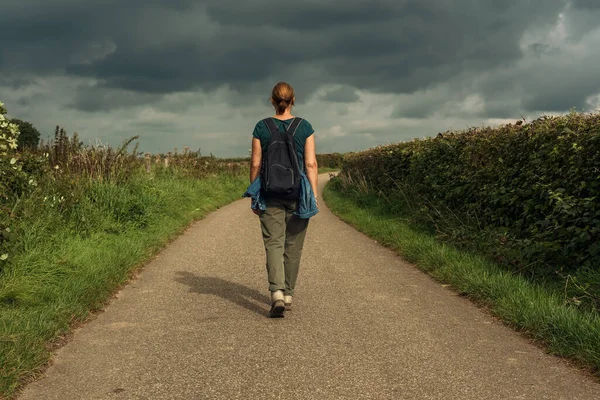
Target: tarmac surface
{"points": [[364, 325]]}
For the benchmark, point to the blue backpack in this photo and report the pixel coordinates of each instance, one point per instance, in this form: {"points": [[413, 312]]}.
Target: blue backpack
{"points": [[280, 172]]}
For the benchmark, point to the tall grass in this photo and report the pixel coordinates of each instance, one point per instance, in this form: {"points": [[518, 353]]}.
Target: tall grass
{"points": [[76, 221]]}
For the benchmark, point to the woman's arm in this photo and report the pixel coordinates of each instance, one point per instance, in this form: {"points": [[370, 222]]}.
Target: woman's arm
{"points": [[310, 162], [256, 159]]}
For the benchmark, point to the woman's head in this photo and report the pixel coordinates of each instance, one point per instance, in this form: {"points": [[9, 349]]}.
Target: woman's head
{"points": [[282, 97]]}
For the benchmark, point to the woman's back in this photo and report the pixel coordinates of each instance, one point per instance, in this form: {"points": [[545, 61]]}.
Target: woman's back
{"points": [[304, 131]]}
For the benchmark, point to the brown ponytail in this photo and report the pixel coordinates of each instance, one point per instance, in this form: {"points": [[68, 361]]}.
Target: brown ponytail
{"points": [[282, 97]]}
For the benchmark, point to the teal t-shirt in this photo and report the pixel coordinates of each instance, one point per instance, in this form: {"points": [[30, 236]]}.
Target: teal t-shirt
{"points": [[303, 132]]}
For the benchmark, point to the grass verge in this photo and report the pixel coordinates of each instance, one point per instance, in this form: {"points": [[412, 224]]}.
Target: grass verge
{"points": [[541, 314], [68, 266], [325, 170]]}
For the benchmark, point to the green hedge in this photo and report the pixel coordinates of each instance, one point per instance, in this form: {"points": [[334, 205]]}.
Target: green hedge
{"points": [[333, 160], [535, 186]]}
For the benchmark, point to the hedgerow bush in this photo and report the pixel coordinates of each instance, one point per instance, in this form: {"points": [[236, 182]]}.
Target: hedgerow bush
{"points": [[12, 177], [332, 160], [13, 180], [61, 175], [534, 188]]}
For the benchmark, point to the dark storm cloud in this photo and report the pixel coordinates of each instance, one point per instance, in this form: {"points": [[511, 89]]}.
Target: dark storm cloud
{"points": [[554, 81], [581, 18], [397, 46], [417, 108], [560, 96], [90, 98], [586, 4], [14, 82], [159, 47], [341, 95]]}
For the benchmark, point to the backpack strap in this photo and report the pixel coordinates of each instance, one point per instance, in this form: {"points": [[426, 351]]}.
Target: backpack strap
{"points": [[294, 125], [271, 125], [273, 128]]}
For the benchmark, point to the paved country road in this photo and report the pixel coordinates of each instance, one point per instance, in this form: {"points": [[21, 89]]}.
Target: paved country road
{"points": [[365, 325]]}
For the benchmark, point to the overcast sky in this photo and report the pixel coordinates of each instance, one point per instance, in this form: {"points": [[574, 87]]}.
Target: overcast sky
{"points": [[199, 73]]}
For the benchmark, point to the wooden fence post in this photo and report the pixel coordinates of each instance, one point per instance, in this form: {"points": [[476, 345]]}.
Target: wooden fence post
{"points": [[147, 161]]}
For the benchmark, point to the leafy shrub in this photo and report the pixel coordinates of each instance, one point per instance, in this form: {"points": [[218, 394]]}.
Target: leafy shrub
{"points": [[9, 134], [333, 160], [11, 175], [13, 180], [29, 136], [63, 179], [534, 188]]}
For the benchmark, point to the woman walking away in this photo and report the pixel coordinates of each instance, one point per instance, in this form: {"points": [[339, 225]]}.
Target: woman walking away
{"points": [[283, 176]]}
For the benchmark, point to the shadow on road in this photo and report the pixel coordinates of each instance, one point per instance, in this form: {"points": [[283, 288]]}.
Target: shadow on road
{"points": [[234, 292]]}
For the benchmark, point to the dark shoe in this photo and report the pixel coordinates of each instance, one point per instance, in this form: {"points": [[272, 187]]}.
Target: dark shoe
{"points": [[277, 309]]}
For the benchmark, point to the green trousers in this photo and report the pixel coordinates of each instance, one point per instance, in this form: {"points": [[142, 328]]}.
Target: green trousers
{"points": [[283, 234]]}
